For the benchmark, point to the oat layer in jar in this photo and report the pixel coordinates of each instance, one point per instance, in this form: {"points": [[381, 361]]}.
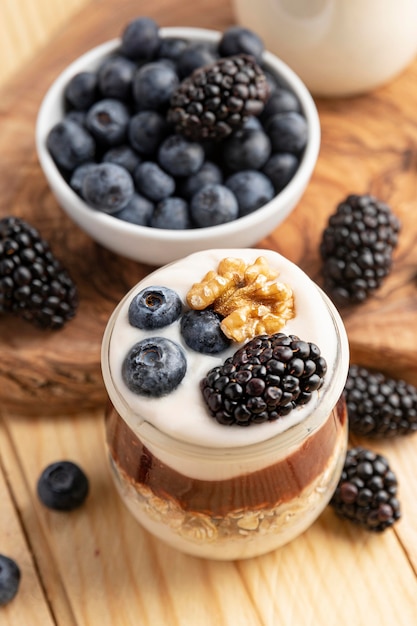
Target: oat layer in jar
{"points": [[226, 431]]}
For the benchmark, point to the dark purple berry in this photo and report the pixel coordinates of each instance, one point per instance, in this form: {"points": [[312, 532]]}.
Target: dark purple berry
{"points": [[180, 157], [367, 491], [108, 120], [115, 77], [280, 169], [138, 211], [171, 213], [264, 380], [239, 40], [34, 285], [108, 187], [153, 182], [212, 205], [246, 149], [357, 247], [288, 132], [153, 85], [70, 144], [209, 173], [154, 367], [379, 405], [140, 39], [62, 486], [201, 331], [193, 56], [154, 307], [81, 90], [9, 579], [252, 190], [146, 131]]}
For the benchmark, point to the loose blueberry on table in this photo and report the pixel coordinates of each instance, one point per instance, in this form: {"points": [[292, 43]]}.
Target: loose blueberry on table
{"points": [[62, 486], [178, 117], [9, 579]]}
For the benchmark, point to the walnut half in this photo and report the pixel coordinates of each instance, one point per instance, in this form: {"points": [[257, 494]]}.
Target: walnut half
{"points": [[248, 296]]}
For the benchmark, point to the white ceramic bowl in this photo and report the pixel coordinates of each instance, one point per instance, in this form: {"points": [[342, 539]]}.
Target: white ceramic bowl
{"points": [[156, 246]]}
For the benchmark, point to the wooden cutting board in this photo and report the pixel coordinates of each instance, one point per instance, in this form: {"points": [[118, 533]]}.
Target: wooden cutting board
{"points": [[369, 144]]}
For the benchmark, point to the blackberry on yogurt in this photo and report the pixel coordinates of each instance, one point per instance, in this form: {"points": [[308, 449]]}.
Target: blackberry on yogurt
{"points": [[264, 380]]}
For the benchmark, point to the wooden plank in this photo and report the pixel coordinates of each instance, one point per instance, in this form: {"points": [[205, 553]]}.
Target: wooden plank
{"points": [[30, 605], [114, 572], [96, 564], [26, 25]]}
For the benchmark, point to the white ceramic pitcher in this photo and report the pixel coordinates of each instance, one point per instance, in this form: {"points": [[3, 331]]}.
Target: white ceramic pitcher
{"points": [[337, 47]]}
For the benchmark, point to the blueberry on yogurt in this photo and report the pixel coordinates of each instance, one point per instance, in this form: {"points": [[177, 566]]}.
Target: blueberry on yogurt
{"points": [[201, 331], [154, 367], [154, 307]]}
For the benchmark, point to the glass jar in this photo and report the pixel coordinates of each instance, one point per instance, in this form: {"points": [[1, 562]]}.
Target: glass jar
{"points": [[250, 490]]}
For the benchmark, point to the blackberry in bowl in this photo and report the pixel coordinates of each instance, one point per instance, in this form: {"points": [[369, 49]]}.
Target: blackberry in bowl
{"points": [[177, 115]]}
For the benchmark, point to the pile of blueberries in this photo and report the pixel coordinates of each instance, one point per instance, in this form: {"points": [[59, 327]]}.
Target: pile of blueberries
{"points": [[116, 149]]}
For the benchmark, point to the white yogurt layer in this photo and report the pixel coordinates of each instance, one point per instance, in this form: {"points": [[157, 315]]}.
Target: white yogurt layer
{"points": [[182, 414]]}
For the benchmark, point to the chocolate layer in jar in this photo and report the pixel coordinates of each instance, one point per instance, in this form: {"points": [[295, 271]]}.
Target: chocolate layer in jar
{"points": [[265, 488]]}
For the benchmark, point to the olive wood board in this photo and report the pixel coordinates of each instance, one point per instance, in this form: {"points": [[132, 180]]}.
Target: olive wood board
{"points": [[369, 145]]}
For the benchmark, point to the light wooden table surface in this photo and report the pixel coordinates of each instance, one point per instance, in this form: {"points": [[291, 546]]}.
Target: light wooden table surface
{"points": [[96, 566]]}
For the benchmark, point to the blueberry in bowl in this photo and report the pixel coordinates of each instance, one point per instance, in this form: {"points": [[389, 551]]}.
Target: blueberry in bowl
{"points": [[167, 141]]}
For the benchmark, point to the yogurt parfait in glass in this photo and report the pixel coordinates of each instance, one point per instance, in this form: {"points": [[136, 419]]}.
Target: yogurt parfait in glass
{"points": [[226, 428]]}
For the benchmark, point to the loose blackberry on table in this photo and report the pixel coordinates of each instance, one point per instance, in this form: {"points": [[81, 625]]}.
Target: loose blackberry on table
{"points": [[264, 380], [34, 285], [367, 491], [357, 247], [379, 405]]}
